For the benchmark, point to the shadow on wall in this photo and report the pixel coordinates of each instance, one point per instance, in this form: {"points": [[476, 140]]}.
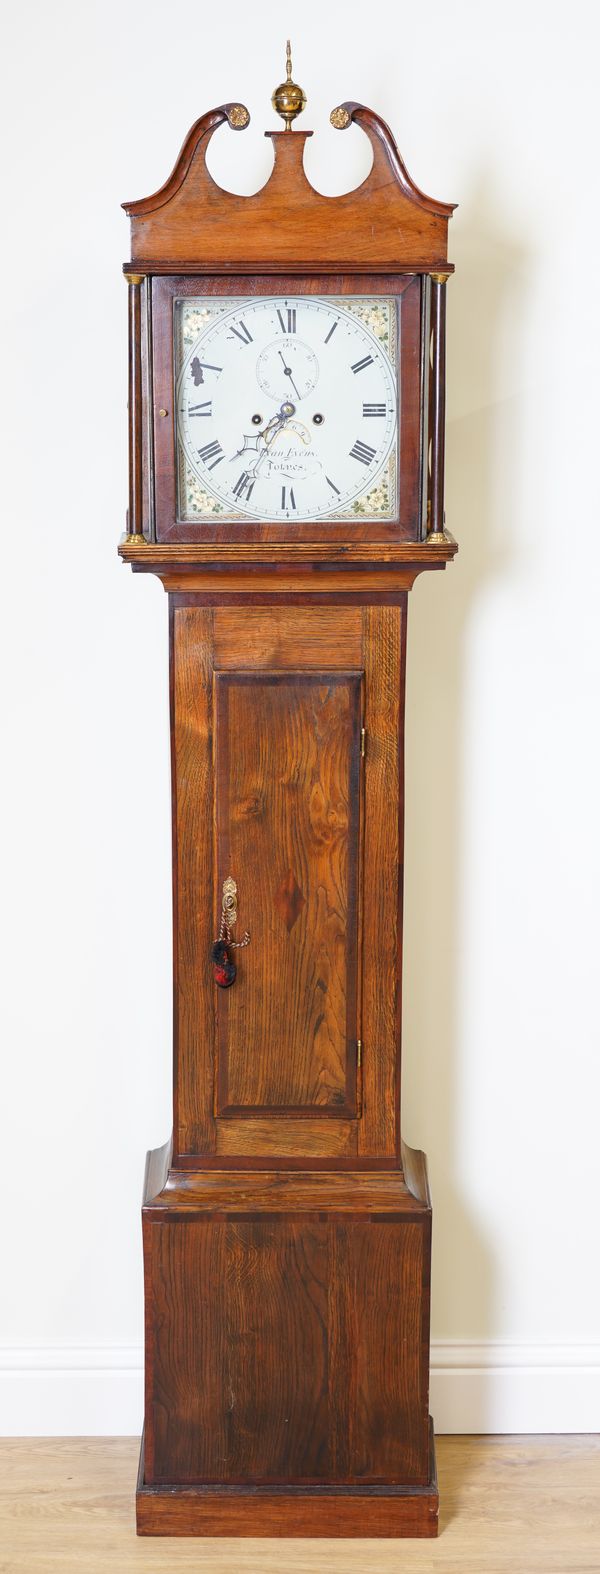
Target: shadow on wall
{"points": [[484, 314]]}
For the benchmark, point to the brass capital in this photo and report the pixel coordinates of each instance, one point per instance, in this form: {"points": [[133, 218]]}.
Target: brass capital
{"points": [[440, 278], [134, 278]]}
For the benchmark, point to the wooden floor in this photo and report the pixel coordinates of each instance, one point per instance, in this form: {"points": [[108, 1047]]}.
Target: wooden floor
{"points": [[528, 1505]]}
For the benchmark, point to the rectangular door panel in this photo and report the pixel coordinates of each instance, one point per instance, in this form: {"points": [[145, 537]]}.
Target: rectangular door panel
{"points": [[288, 830]]}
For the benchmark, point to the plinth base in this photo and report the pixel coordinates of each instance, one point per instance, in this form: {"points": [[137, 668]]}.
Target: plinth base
{"points": [[288, 1511]]}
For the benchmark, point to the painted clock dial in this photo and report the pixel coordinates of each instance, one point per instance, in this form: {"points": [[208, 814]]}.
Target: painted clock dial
{"points": [[287, 408]]}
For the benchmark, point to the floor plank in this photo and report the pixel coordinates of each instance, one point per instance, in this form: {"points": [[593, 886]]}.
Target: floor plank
{"points": [[528, 1505]]}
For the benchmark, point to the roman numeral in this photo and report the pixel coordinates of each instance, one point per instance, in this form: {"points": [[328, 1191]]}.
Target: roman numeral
{"points": [[198, 368], [243, 486], [331, 330], [292, 501], [374, 409], [359, 366], [332, 484], [363, 452], [242, 332], [211, 451], [201, 409], [291, 320]]}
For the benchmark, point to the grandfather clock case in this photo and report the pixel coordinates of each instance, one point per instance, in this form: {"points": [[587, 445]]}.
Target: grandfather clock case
{"points": [[286, 429]]}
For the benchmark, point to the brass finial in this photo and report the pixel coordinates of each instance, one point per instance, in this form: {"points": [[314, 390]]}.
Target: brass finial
{"points": [[288, 99]]}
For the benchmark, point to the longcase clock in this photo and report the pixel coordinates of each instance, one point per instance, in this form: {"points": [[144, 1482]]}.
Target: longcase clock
{"points": [[286, 417]]}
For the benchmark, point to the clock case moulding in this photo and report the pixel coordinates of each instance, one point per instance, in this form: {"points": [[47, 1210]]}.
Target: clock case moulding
{"points": [[295, 605]]}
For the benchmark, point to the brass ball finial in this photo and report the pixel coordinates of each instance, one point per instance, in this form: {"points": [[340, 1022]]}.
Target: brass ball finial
{"points": [[288, 99]]}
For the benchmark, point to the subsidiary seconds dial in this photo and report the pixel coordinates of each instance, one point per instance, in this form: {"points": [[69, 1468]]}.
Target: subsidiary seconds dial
{"points": [[287, 408]]}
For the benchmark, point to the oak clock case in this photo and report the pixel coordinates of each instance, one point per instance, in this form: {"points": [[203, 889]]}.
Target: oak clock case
{"points": [[286, 427]]}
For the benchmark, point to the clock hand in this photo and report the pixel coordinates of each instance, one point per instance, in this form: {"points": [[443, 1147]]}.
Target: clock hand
{"points": [[288, 373], [268, 434]]}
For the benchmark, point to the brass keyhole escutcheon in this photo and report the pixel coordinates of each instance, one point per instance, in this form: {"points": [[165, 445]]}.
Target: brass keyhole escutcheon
{"points": [[230, 901]]}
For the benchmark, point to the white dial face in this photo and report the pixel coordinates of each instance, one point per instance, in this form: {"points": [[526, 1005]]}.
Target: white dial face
{"points": [[287, 408]]}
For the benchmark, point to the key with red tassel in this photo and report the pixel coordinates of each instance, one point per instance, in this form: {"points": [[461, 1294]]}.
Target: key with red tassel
{"points": [[224, 966]]}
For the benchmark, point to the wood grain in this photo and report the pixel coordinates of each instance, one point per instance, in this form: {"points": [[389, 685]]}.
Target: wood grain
{"points": [[381, 955], [386, 220], [136, 292], [285, 799], [193, 902], [312, 1139], [286, 1510], [279, 1191], [509, 1505], [274, 636], [379, 1414], [282, 1349], [288, 770], [238, 1348], [407, 291], [438, 405], [287, 1308], [156, 557]]}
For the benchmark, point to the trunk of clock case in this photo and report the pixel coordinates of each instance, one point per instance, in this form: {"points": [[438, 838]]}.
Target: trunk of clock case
{"points": [[287, 1341], [287, 773]]}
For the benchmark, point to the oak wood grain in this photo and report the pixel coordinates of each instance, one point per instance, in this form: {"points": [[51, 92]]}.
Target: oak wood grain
{"points": [[383, 633], [279, 1190], [350, 587], [285, 799], [274, 636], [407, 291], [282, 1349], [286, 1254], [155, 556], [193, 933], [379, 1417], [288, 769], [386, 219], [438, 405], [313, 1139], [136, 292], [238, 1349], [284, 1510]]}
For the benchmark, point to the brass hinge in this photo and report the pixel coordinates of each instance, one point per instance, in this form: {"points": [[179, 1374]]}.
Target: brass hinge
{"points": [[363, 742], [359, 1052]]}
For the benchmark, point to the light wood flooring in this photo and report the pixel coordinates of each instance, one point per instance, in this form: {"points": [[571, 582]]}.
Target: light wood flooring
{"points": [[528, 1505]]}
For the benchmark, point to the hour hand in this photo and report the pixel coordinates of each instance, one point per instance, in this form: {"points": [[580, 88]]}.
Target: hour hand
{"points": [[260, 441]]}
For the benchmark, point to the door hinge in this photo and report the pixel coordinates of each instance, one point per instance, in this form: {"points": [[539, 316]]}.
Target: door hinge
{"points": [[359, 1052], [363, 742]]}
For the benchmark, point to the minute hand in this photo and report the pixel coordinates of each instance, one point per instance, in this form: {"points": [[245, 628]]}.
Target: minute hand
{"points": [[288, 373]]}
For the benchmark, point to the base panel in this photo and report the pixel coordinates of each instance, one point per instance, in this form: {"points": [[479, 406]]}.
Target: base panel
{"points": [[288, 1511]]}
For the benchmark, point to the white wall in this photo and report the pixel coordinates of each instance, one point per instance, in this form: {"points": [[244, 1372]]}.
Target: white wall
{"points": [[493, 107]]}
